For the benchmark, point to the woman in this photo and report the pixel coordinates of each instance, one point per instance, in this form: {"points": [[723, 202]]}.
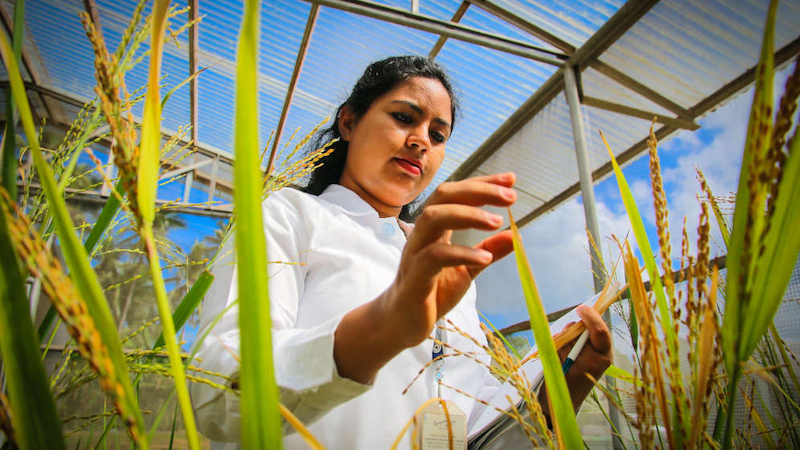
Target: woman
{"points": [[351, 324]]}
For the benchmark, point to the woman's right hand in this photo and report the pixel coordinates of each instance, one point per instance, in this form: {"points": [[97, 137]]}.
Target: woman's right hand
{"points": [[433, 276], [434, 273]]}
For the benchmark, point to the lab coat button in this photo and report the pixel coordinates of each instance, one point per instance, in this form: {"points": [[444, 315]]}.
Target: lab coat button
{"points": [[387, 230]]}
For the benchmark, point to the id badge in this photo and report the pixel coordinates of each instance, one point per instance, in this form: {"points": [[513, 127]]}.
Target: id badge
{"points": [[434, 432]]}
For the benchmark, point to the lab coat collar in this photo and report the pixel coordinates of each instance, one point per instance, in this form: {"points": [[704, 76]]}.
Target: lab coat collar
{"points": [[348, 200], [354, 205]]}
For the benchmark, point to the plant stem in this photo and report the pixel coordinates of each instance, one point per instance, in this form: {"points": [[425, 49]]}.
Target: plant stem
{"points": [[165, 313], [731, 413]]}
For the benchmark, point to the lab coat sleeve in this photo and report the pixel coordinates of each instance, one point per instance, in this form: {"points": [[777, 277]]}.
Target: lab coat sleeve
{"points": [[305, 370]]}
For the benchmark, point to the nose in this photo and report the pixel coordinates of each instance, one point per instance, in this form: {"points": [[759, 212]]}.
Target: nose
{"points": [[418, 138]]}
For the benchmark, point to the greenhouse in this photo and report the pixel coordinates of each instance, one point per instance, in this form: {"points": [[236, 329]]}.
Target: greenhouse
{"points": [[441, 185]]}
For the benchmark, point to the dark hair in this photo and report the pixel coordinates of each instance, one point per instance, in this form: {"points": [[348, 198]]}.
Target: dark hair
{"points": [[379, 78]]}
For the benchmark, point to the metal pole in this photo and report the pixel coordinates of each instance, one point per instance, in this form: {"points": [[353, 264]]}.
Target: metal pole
{"points": [[193, 6], [589, 209], [584, 172], [298, 66]]}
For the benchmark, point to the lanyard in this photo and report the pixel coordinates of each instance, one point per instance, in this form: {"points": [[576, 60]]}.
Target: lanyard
{"points": [[437, 351]]}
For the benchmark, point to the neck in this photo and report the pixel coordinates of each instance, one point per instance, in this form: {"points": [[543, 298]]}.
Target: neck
{"points": [[381, 208]]}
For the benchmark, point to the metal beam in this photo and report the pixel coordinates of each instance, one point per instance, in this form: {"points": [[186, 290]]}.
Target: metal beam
{"points": [[641, 89], [226, 187], [615, 27], [704, 106], [641, 114], [587, 187], [193, 5], [589, 208], [180, 171], [97, 197], [785, 53], [298, 66], [80, 103], [193, 32], [437, 47], [446, 28], [212, 186], [519, 22], [37, 72]]}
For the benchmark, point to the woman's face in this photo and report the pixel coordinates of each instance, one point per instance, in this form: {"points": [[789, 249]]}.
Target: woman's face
{"points": [[397, 146]]}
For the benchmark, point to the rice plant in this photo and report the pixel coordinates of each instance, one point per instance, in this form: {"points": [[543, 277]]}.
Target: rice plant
{"points": [[726, 351], [672, 408]]}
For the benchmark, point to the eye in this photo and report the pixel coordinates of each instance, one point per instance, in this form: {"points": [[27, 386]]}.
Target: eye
{"points": [[402, 117], [438, 137]]}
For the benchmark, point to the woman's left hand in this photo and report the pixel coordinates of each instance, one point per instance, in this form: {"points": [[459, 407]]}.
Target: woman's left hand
{"points": [[593, 360]]}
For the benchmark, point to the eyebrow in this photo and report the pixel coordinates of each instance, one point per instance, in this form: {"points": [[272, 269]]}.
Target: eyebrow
{"points": [[416, 108]]}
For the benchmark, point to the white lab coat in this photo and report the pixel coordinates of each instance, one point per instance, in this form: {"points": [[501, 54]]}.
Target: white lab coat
{"points": [[349, 256]]}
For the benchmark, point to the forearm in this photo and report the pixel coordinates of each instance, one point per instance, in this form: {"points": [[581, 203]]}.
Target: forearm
{"points": [[365, 341]]}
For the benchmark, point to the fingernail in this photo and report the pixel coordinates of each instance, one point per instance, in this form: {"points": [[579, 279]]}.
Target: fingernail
{"points": [[507, 193], [494, 219], [485, 256]]}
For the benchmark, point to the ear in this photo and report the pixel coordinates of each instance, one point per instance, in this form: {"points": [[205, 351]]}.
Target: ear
{"points": [[347, 121]]}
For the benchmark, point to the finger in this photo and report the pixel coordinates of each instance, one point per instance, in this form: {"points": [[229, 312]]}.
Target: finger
{"points": [[499, 245], [599, 336], [474, 192], [439, 255], [435, 220], [506, 179]]}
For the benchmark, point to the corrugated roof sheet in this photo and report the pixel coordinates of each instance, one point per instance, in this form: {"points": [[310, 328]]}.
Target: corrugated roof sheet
{"points": [[684, 50]]}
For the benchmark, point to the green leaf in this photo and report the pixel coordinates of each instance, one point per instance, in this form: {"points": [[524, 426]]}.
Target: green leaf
{"points": [[756, 144], [33, 411], [110, 209], [9, 163], [643, 242], [777, 258], [147, 185], [150, 147], [189, 303], [261, 420], [75, 255], [622, 374], [180, 85], [563, 412], [647, 253]]}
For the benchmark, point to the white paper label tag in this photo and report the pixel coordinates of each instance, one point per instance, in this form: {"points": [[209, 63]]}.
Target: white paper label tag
{"points": [[433, 429]]}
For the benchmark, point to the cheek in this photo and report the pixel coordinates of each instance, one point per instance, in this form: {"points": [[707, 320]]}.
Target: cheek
{"points": [[437, 156]]}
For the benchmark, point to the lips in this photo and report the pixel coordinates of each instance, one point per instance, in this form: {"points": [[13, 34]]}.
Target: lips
{"points": [[412, 166]]}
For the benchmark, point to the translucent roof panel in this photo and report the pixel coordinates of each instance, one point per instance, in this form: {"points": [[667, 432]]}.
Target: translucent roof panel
{"points": [[597, 85], [492, 86], [684, 50], [573, 21], [69, 59], [477, 18], [687, 49], [681, 50], [325, 80]]}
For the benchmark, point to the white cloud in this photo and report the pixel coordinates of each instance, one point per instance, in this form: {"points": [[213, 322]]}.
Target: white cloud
{"points": [[558, 250], [556, 243]]}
